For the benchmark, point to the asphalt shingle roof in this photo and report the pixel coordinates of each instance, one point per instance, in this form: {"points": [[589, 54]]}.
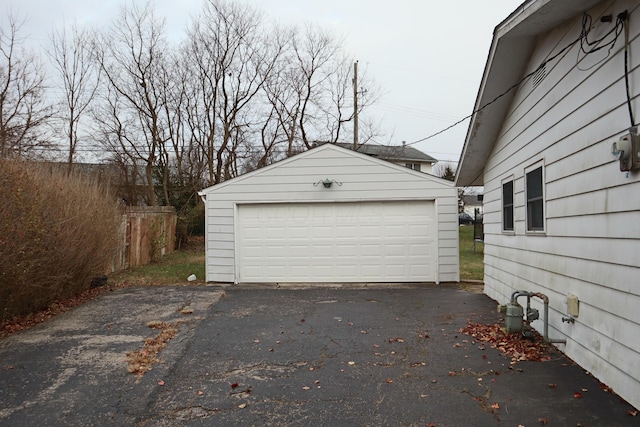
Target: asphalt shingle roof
{"points": [[391, 152]]}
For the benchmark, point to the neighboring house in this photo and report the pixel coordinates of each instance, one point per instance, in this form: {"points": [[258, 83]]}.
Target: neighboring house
{"points": [[403, 155], [331, 215], [470, 202], [560, 217]]}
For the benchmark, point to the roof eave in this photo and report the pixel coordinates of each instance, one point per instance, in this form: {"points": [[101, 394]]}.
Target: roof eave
{"points": [[513, 42]]}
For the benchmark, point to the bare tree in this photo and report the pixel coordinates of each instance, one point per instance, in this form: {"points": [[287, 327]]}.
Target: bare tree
{"points": [[23, 106], [312, 96], [445, 170], [232, 60], [314, 51], [130, 57], [79, 79]]}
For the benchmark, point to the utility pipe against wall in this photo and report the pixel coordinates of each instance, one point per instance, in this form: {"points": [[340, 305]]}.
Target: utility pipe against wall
{"points": [[545, 299]]}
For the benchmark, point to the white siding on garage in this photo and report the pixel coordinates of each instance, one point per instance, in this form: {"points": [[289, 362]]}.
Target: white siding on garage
{"points": [[591, 245], [364, 179], [329, 242]]}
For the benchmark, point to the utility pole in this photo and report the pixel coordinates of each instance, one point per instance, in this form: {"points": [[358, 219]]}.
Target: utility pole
{"points": [[355, 105]]}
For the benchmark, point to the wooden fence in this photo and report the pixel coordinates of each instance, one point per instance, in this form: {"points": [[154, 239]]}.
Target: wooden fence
{"points": [[147, 233]]}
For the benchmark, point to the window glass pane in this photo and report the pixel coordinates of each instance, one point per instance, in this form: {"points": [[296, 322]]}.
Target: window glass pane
{"points": [[507, 218], [535, 219], [534, 184], [507, 206], [535, 200], [507, 193]]}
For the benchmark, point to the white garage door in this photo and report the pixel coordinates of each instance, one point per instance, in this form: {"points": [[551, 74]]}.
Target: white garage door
{"points": [[336, 242]]}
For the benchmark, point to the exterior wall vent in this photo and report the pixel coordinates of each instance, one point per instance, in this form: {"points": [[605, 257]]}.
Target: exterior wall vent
{"points": [[539, 75]]}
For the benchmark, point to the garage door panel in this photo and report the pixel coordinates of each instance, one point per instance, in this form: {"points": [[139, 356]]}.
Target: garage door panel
{"points": [[333, 242]]}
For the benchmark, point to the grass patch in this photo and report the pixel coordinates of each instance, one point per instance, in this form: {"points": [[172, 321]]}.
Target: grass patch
{"points": [[471, 263], [171, 269]]}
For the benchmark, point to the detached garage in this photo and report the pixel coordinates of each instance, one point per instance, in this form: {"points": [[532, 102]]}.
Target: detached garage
{"points": [[332, 215]]}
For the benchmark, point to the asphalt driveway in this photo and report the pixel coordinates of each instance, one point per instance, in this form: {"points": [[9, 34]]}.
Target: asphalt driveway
{"points": [[316, 356]]}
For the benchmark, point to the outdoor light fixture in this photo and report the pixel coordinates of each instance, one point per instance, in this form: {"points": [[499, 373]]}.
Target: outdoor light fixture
{"points": [[326, 183]]}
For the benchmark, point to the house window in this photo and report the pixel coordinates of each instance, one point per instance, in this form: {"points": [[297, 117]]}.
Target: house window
{"points": [[507, 205], [535, 198], [414, 166]]}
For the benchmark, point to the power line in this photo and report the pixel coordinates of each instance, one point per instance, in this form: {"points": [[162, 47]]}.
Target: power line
{"points": [[509, 89]]}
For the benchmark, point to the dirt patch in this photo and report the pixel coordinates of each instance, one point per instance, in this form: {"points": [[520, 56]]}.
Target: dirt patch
{"points": [[473, 287]]}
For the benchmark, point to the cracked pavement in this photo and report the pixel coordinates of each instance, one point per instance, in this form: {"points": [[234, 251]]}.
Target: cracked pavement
{"points": [[291, 356]]}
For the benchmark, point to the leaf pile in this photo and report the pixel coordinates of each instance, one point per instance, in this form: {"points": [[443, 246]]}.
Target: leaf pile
{"points": [[22, 322], [513, 345], [141, 361]]}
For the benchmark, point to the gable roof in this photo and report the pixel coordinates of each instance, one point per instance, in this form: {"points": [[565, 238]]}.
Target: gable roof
{"points": [[404, 153], [318, 150], [513, 43]]}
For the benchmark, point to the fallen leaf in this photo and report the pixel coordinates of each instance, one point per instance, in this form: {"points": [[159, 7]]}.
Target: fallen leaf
{"points": [[200, 392], [160, 382], [606, 388], [632, 413], [452, 374], [510, 344], [242, 405], [389, 380], [543, 421]]}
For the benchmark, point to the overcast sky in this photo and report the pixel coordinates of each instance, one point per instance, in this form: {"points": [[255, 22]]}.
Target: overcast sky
{"points": [[426, 56]]}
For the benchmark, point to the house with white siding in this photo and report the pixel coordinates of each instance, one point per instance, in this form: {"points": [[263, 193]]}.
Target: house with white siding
{"points": [[332, 215], [555, 113]]}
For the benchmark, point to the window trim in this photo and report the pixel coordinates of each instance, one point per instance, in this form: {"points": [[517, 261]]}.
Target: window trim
{"points": [[543, 198], [509, 179]]}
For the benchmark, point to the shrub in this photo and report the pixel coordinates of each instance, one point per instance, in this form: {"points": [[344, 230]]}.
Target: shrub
{"points": [[56, 233]]}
